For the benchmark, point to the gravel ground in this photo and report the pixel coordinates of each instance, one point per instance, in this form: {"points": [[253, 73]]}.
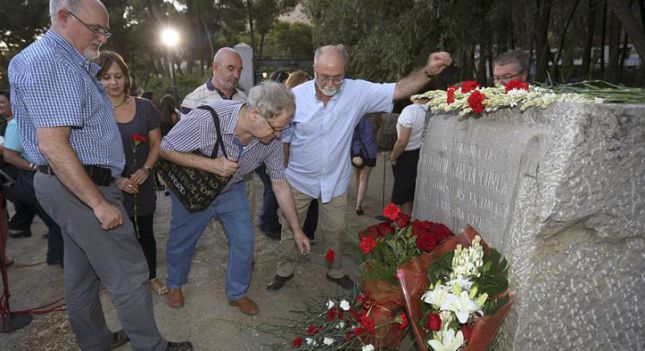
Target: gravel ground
{"points": [[207, 320]]}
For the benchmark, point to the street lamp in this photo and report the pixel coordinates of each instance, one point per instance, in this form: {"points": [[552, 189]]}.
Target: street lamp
{"points": [[170, 38]]}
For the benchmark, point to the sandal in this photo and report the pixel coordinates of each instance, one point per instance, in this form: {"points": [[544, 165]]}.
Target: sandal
{"points": [[359, 210], [158, 287]]}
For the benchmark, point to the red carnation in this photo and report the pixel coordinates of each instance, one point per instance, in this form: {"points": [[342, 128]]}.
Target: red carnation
{"points": [[329, 256], [312, 329], [297, 342], [516, 84], [403, 220], [367, 323], [434, 321], [404, 321], [469, 86], [331, 314], [467, 330], [136, 137], [391, 212], [427, 241], [367, 244], [476, 101], [450, 95], [385, 229]]}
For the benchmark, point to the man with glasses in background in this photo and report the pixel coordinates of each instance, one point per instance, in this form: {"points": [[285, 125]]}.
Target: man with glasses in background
{"points": [[328, 109], [511, 65], [68, 130]]}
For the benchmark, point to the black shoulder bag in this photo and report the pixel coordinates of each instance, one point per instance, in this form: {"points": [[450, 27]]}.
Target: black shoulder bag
{"points": [[195, 189]]}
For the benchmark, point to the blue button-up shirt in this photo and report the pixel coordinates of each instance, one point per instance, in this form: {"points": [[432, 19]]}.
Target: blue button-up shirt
{"points": [[53, 85], [319, 163]]}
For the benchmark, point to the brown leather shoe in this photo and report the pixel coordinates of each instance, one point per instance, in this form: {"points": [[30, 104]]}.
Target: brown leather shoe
{"points": [[245, 305], [174, 298]]}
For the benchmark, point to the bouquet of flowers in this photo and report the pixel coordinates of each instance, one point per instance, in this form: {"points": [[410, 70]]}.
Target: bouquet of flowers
{"points": [[471, 98], [467, 298], [386, 247], [337, 324]]}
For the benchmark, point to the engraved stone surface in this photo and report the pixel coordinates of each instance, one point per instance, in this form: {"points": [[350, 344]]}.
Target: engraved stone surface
{"points": [[561, 192]]}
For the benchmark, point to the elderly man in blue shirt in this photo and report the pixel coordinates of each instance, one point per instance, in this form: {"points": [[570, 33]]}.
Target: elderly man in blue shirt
{"points": [[328, 108], [67, 126]]}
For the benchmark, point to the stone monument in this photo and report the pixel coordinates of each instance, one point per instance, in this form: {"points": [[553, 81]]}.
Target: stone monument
{"points": [[247, 77], [561, 193]]}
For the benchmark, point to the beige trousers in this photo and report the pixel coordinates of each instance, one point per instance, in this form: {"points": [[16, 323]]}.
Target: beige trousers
{"points": [[331, 221]]}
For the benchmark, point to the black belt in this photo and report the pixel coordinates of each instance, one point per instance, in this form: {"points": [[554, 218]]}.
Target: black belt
{"points": [[99, 175]]}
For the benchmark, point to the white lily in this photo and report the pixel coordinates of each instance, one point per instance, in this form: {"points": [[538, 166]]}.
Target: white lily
{"points": [[344, 305], [310, 341], [328, 341], [330, 304], [449, 341], [437, 296], [367, 348], [340, 325], [461, 305]]}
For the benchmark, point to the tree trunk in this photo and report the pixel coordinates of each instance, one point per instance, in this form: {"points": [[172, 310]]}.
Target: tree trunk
{"points": [[611, 73], [622, 10], [250, 9], [602, 41], [558, 56], [543, 52], [586, 53]]}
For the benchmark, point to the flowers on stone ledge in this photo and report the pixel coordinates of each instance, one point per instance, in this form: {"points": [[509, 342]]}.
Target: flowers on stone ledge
{"points": [[471, 98]]}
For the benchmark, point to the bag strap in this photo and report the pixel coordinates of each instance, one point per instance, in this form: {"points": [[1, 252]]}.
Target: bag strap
{"points": [[219, 142]]}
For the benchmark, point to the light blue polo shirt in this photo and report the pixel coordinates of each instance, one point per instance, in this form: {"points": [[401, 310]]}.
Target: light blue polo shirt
{"points": [[320, 136]]}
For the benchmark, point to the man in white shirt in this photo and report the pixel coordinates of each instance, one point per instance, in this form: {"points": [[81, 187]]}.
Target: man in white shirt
{"points": [[328, 109]]}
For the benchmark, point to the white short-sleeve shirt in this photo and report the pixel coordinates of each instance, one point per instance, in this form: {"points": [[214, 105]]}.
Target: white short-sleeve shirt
{"points": [[413, 117]]}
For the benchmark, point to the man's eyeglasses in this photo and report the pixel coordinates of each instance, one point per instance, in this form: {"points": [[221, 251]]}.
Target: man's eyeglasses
{"points": [[325, 78], [505, 78], [94, 29], [277, 130]]}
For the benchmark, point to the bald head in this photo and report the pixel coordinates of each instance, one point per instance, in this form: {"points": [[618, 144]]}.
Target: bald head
{"points": [[227, 69], [331, 55], [74, 6], [226, 53]]}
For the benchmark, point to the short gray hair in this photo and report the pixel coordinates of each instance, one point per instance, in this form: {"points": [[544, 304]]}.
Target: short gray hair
{"points": [[340, 48], [271, 99], [217, 58], [55, 5], [519, 57]]}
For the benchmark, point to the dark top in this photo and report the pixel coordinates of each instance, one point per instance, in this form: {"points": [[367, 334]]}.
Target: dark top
{"points": [[146, 118], [365, 136]]}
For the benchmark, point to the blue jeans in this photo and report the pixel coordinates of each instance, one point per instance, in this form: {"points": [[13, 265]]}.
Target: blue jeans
{"points": [[269, 221], [232, 210]]}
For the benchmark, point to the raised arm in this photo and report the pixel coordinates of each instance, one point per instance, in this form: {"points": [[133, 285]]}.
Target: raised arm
{"points": [[409, 85]]}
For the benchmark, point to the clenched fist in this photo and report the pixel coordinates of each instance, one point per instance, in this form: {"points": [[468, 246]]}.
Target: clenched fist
{"points": [[437, 62]]}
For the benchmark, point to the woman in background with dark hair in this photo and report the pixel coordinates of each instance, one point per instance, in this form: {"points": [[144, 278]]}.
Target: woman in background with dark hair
{"points": [[169, 114], [138, 122]]}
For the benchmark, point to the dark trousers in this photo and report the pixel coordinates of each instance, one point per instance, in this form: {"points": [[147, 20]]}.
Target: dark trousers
{"points": [[23, 217], [25, 193], [269, 221], [147, 241], [94, 256]]}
